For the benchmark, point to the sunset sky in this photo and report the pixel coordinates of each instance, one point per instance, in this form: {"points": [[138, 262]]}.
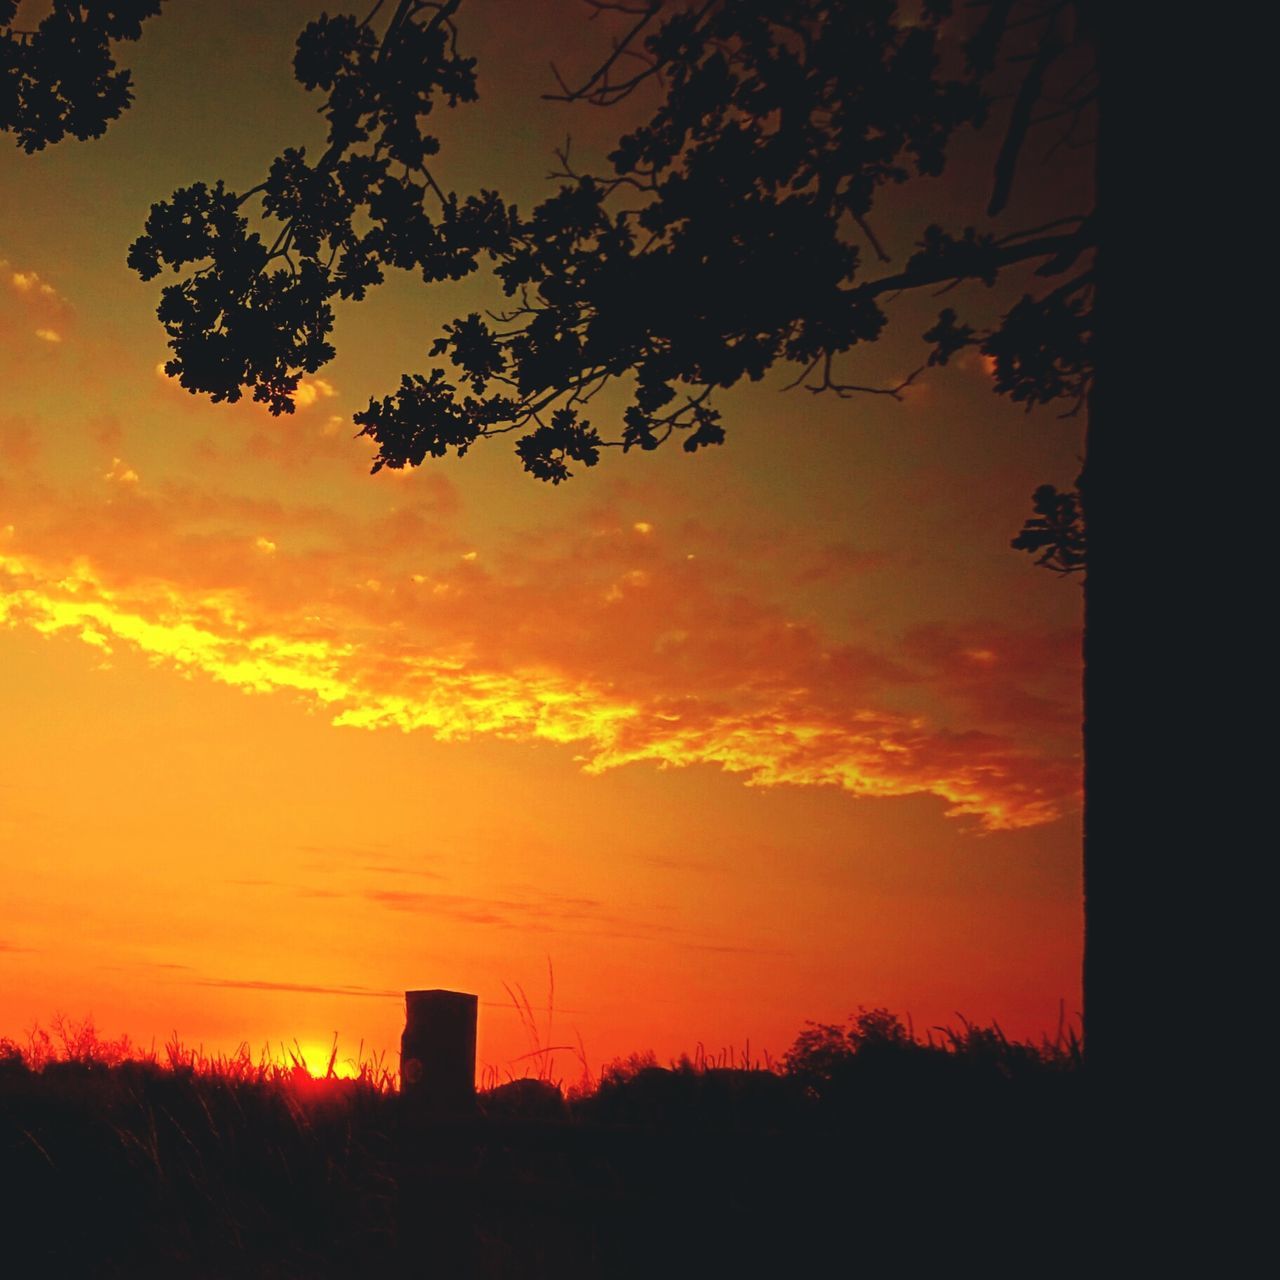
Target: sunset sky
{"points": [[727, 741]]}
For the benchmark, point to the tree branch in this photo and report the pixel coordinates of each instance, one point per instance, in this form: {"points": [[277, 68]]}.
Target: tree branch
{"points": [[602, 72], [871, 235], [1020, 118], [845, 389], [914, 278]]}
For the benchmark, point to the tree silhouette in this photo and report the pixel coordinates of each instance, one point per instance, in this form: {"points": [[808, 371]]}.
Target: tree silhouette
{"points": [[730, 236], [60, 77], [734, 232]]}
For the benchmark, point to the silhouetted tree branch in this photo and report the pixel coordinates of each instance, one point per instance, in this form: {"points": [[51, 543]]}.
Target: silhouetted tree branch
{"points": [[61, 77], [750, 187], [1056, 531]]}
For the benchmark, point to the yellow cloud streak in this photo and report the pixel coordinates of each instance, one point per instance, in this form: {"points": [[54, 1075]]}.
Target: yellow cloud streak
{"points": [[864, 753]]}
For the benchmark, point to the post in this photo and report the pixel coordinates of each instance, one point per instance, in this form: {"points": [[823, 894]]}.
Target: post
{"points": [[438, 1054], [437, 1142]]}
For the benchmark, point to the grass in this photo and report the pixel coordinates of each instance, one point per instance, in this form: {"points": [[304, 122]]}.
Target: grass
{"points": [[122, 1156], [66, 1041], [134, 1162]]}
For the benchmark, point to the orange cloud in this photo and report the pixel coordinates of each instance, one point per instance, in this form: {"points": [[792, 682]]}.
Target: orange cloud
{"points": [[617, 639], [312, 390], [30, 307], [294, 988], [121, 473]]}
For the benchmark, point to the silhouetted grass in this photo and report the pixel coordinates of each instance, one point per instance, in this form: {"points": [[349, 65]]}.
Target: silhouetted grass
{"points": [[216, 1164], [864, 1138]]}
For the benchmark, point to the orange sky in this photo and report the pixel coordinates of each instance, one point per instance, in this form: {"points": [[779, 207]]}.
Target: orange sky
{"points": [[732, 740]]}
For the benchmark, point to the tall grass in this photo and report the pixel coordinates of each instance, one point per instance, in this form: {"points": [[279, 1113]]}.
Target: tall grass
{"points": [[217, 1162], [70, 1043], [131, 1161]]}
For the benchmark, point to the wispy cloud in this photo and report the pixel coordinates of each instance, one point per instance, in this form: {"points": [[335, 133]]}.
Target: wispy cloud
{"points": [[524, 911], [523, 908], [298, 988]]}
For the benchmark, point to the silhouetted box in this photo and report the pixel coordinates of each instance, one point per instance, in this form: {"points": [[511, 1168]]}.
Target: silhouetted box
{"points": [[438, 1053]]}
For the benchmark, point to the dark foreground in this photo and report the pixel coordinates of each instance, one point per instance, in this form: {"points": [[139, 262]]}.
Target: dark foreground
{"points": [[866, 1154]]}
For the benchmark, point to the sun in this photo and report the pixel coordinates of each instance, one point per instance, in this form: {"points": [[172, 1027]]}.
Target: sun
{"points": [[320, 1058]]}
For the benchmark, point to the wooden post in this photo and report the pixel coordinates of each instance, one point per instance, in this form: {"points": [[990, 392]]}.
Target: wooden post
{"points": [[436, 1133], [438, 1054]]}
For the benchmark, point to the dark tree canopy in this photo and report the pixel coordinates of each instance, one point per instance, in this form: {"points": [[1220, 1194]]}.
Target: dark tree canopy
{"points": [[60, 77], [733, 232]]}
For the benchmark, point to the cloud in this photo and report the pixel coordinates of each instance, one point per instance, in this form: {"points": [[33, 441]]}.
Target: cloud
{"points": [[1000, 676], [414, 873], [626, 640], [528, 909], [297, 988], [30, 307], [838, 561], [312, 390], [525, 908], [121, 473]]}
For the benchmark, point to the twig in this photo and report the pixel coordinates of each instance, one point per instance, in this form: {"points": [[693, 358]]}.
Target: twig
{"points": [[845, 389]]}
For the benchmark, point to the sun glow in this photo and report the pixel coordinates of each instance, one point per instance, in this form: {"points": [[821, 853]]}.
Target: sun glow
{"points": [[321, 1060]]}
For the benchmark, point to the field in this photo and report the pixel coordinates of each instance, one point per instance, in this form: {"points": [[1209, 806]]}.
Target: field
{"points": [[866, 1150]]}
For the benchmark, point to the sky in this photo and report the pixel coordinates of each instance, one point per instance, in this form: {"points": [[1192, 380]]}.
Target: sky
{"points": [[690, 750]]}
